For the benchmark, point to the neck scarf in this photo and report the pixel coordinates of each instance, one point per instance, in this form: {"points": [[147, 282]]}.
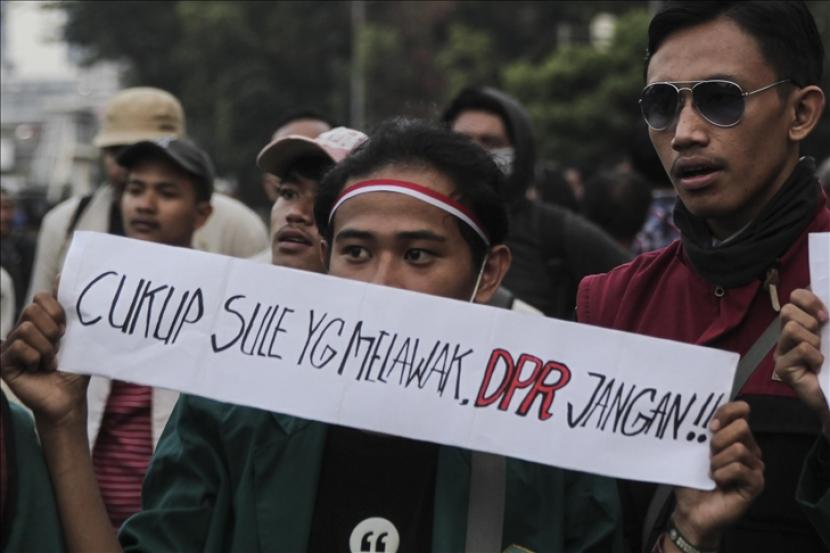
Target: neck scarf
{"points": [[747, 256]]}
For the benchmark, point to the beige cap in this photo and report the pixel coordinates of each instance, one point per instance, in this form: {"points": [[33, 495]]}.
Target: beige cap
{"points": [[141, 113], [280, 154]]}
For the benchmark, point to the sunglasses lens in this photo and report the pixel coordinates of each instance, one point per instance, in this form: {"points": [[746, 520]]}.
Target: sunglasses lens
{"points": [[720, 102], [658, 103]]}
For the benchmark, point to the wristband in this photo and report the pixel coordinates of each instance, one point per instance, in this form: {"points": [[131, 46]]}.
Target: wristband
{"points": [[680, 541]]}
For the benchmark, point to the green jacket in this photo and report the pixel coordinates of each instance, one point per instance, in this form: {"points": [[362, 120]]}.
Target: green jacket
{"points": [[229, 478], [35, 525], [813, 491]]}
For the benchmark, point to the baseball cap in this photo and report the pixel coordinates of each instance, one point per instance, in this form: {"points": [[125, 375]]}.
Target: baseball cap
{"points": [[278, 156], [181, 151], [140, 113]]}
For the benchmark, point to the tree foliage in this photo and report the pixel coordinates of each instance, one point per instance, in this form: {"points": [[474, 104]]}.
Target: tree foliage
{"points": [[236, 66], [583, 99], [239, 66]]}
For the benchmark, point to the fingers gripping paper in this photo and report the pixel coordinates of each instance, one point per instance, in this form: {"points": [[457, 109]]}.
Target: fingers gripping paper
{"points": [[820, 283], [392, 361]]}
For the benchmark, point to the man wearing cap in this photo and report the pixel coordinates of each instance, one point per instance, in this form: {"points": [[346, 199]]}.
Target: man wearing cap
{"points": [[304, 122], [132, 115], [299, 163], [307, 123], [166, 199]]}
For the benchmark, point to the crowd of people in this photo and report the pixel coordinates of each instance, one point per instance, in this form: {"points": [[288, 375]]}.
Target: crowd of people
{"points": [[717, 207]]}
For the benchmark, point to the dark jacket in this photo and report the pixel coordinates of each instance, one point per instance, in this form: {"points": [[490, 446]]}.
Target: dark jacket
{"points": [[659, 294], [230, 478], [553, 249], [30, 520]]}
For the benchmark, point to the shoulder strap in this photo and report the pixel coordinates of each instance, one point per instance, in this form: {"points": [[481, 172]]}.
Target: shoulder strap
{"points": [[747, 365], [76, 216], [754, 355], [503, 298], [485, 512]]}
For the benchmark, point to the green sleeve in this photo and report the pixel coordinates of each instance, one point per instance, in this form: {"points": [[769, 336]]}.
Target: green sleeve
{"points": [[813, 492], [552, 509], [35, 525], [185, 499], [593, 521]]}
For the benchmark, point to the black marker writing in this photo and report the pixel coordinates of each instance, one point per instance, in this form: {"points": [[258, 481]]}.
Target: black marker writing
{"points": [[129, 306]]}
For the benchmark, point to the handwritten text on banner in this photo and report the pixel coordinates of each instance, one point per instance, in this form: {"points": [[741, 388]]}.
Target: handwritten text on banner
{"points": [[392, 361]]}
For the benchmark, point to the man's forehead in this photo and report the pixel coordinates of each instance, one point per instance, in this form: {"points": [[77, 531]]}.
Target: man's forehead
{"points": [[481, 119], [159, 170], [383, 215], [715, 49]]}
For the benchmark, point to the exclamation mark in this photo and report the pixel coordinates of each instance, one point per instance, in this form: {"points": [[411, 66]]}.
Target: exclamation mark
{"points": [[703, 436]]}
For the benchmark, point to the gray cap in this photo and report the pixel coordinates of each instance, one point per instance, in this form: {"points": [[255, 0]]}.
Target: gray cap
{"points": [[182, 152]]}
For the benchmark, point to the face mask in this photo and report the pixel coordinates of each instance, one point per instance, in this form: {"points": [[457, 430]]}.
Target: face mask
{"points": [[478, 279], [504, 159]]}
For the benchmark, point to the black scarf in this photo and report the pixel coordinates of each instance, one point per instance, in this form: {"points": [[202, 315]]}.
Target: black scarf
{"points": [[758, 247]]}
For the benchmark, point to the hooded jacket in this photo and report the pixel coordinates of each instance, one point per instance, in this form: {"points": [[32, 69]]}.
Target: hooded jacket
{"points": [[553, 248]]}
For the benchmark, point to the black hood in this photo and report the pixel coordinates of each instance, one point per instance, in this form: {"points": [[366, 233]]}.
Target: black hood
{"points": [[519, 128]]}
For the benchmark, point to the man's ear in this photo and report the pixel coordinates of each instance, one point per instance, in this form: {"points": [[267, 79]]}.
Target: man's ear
{"points": [[203, 211], [495, 267], [808, 104]]}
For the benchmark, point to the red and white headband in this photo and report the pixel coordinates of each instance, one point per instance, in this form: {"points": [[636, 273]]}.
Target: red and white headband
{"points": [[413, 190]]}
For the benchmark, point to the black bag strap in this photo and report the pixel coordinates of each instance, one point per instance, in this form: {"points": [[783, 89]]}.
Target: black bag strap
{"points": [[485, 511], [746, 366], [76, 216]]}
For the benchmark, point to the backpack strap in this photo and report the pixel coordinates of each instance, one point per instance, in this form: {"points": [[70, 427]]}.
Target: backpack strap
{"points": [[76, 216], [485, 511], [662, 498]]}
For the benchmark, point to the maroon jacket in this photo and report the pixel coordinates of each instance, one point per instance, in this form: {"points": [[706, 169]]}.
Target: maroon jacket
{"points": [[659, 294]]}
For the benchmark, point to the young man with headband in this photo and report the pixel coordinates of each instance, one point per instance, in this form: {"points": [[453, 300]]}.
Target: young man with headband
{"points": [[415, 208]]}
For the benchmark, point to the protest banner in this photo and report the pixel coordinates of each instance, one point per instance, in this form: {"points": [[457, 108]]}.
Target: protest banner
{"points": [[392, 361], [819, 251]]}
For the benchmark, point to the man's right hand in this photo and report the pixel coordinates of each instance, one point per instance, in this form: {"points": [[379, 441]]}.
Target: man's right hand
{"points": [[29, 366], [798, 355]]}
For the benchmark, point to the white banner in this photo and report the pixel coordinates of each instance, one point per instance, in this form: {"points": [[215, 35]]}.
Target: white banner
{"points": [[392, 361], [819, 245]]}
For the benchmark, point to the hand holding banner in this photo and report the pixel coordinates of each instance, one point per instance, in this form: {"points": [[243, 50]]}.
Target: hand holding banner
{"points": [[819, 244], [392, 361]]}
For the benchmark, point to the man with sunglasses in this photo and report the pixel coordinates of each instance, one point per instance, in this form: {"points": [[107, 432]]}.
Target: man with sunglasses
{"points": [[732, 90]]}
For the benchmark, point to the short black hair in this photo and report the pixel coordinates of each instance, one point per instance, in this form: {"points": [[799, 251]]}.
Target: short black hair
{"points": [[304, 113], [413, 143], [785, 31]]}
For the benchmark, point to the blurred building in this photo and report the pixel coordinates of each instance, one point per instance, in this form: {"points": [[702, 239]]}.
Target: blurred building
{"points": [[48, 105]]}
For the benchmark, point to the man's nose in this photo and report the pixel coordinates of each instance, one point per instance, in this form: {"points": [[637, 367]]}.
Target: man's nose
{"points": [[386, 272], [690, 128], [301, 212], [147, 202]]}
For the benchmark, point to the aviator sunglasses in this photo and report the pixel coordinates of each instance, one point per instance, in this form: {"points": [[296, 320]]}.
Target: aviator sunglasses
{"points": [[719, 102]]}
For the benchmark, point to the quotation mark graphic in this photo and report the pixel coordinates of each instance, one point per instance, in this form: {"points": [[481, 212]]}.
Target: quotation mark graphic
{"points": [[374, 535]]}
